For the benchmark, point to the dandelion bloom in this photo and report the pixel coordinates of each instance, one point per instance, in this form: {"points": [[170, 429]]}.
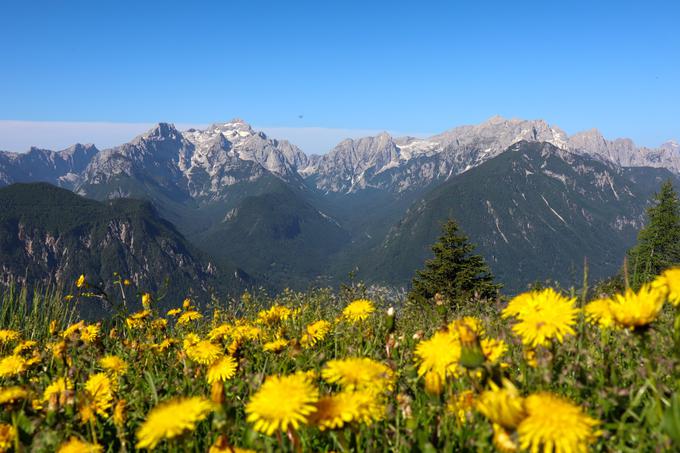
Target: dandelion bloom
{"points": [[222, 370], [282, 402], [12, 365], [188, 316], [174, 311], [502, 405], [222, 445], [146, 301], [466, 327], [56, 394], [358, 310], [334, 411], [89, 334], [276, 313], [599, 312], [204, 352], [136, 320], [277, 345], [555, 424], [637, 309], [220, 332], [7, 435], [503, 441], [543, 316], [81, 281], [669, 282], [10, 395], [73, 329], [119, 413], [493, 349], [358, 373], [315, 332], [99, 397], [75, 445], [438, 358], [461, 405], [171, 419], [8, 335]]}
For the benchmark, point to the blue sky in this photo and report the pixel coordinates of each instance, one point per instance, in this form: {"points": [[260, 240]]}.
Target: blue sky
{"points": [[411, 67]]}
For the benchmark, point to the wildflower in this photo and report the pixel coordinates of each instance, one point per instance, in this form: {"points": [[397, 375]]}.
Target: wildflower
{"points": [[669, 282], [438, 358], [222, 370], [159, 324], [114, 364], [7, 435], [358, 373], [8, 335], [75, 445], [80, 283], [24, 346], [99, 397], [186, 303], [163, 346], [461, 405], [637, 309], [171, 419], [503, 441], [556, 425], [119, 413], [11, 395], [220, 332], [493, 349], [334, 411], [53, 327], [358, 310], [282, 402], [127, 282], [543, 316], [315, 332], [174, 311], [502, 405], [146, 301], [12, 365], [276, 313], [90, 333], [188, 316], [599, 312], [467, 326], [57, 394], [204, 352], [73, 329], [277, 345], [136, 320]]}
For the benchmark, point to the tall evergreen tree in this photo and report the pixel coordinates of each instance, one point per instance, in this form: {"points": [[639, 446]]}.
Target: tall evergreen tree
{"points": [[658, 245], [455, 272]]}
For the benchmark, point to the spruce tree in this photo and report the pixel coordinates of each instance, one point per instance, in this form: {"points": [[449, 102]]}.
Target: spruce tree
{"points": [[658, 245], [455, 272]]}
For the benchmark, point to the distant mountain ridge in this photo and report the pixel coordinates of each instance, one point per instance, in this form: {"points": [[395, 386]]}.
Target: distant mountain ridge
{"points": [[262, 207]]}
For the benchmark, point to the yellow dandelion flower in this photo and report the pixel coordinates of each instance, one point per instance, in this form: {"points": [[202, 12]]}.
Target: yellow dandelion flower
{"points": [[7, 436], [637, 309], [222, 370], [358, 373], [81, 281], [90, 333], [99, 396], [503, 440], [551, 318], [277, 345], [174, 311], [163, 345], [204, 352], [315, 332], [669, 283], [118, 416], [159, 324], [221, 445], [75, 445], [282, 402], [461, 405], [335, 411], [190, 339], [438, 359], [220, 332], [502, 405], [57, 394], [137, 320], [186, 303], [24, 346], [466, 327], [73, 329], [8, 335], [11, 395], [276, 313], [171, 419], [146, 301], [114, 364], [12, 365], [188, 316], [493, 349], [520, 304], [599, 312], [358, 310], [555, 424]]}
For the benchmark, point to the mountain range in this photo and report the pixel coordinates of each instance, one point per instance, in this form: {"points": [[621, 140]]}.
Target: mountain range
{"points": [[535, 200]]}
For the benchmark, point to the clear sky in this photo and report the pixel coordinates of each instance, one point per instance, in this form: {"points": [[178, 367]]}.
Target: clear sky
{"points": [[412, 67]]}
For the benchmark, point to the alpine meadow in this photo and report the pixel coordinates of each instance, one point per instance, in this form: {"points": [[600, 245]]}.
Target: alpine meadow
{"points": [[409, 237]]}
